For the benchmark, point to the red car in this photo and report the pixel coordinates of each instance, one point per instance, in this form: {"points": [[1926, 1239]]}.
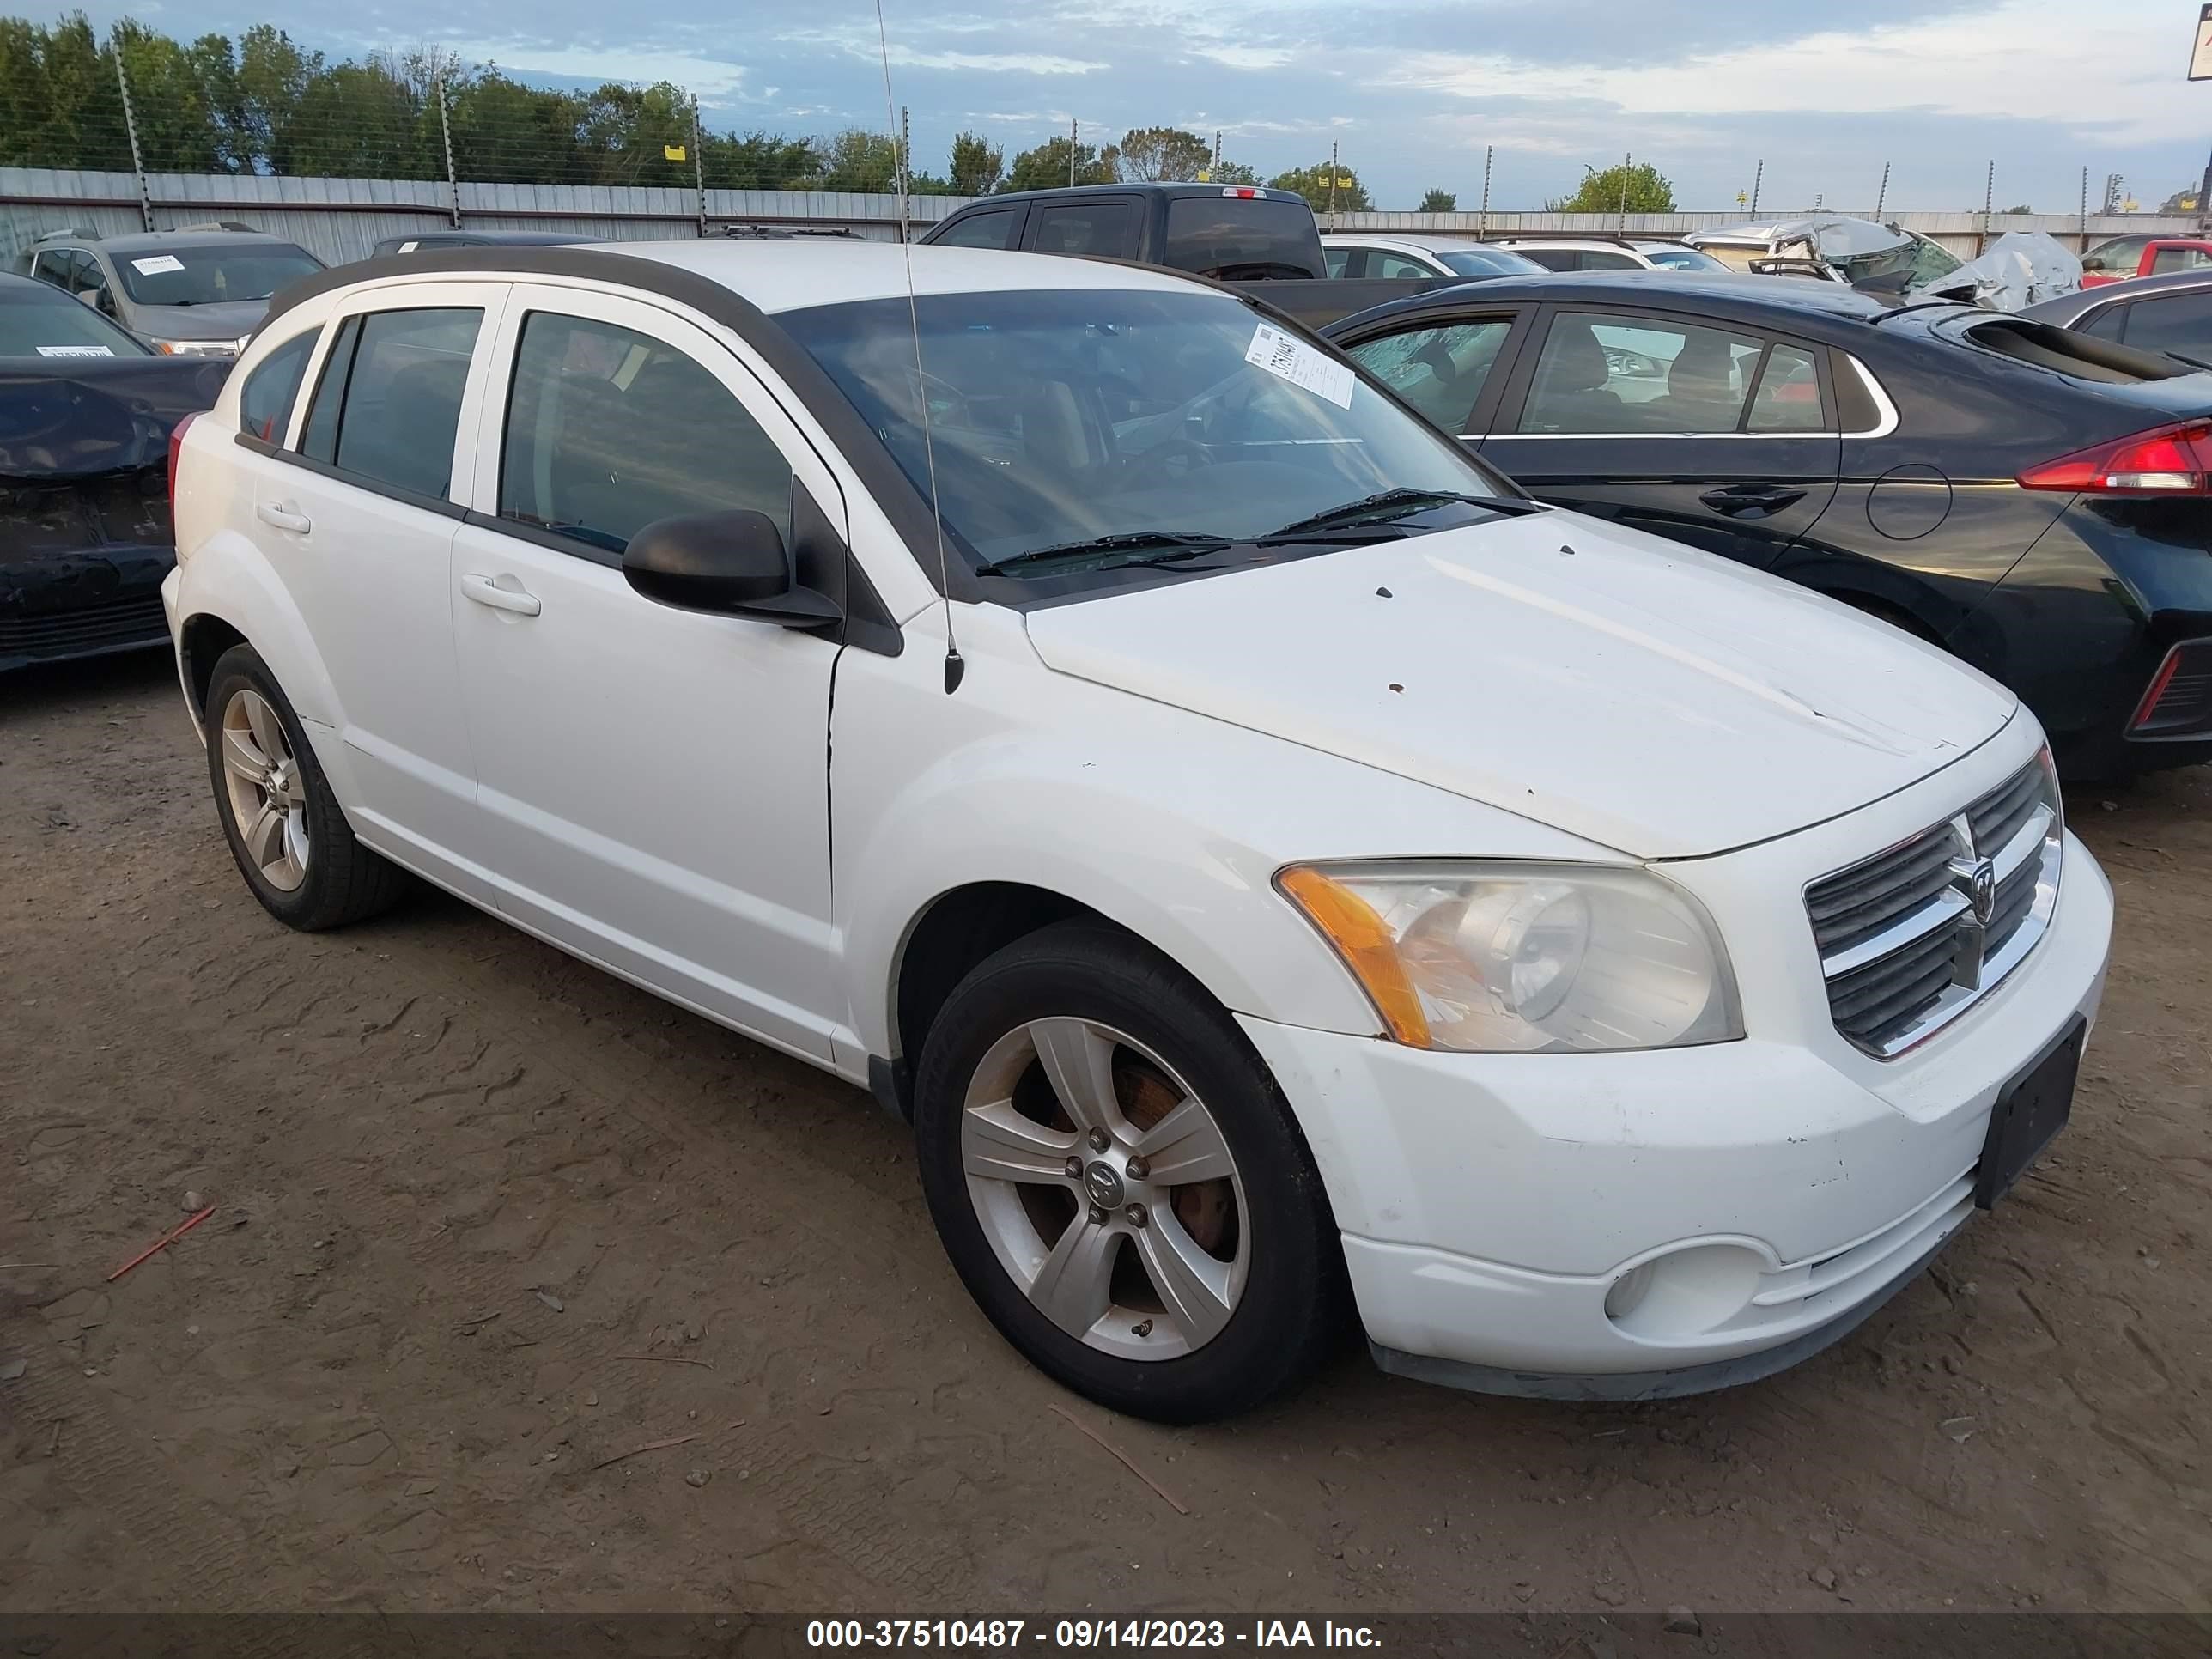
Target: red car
{"points": [[2160, 256]]}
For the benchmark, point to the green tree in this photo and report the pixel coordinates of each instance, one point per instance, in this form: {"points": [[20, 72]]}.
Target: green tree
{"points": [[1152, 153], [59, 104], [1234, 173], [859, 160], [1439, 201], [1638, 188], [1046, 167], [759, 161], [1350, 195], [977, 165], [2022, 207]]}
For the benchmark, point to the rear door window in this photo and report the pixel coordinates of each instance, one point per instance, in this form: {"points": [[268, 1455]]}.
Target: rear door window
{"points": [[1599, 259], [1601, 373], [264, 404], [995, 228], [1107, 228], [1346, 261], [389, 405]]}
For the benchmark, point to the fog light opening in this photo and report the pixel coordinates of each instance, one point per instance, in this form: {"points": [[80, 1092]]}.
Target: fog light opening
{"points": [[1628, 1291], [1688, 1291]]}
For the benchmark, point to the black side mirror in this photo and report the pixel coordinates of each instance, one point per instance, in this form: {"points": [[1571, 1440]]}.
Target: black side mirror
{"points": [[733, 563]]}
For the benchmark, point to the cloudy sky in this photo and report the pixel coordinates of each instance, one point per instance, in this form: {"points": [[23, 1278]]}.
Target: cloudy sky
{"points": [[1411, 90]]}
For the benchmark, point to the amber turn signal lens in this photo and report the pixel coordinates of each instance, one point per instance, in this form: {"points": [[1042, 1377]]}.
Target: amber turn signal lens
{"points": [[1365, 941]]}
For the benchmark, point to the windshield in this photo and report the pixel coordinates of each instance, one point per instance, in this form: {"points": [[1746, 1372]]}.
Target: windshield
{"points": [[212, 275], [44, 322], [1061, 418], [1682, 258], [1917, 258], [1489, 262]]}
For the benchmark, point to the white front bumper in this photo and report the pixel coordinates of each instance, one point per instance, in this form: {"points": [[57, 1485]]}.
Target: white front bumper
{"points": [[1489, 1202]]}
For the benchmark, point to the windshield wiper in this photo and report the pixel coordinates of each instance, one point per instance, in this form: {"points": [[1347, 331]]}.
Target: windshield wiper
{"points": [[1392, 503], [2182, 357], [1181, 543]]}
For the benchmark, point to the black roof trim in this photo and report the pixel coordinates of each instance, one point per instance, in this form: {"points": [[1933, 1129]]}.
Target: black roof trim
{"points": [[1263, 192], [879, 474]]}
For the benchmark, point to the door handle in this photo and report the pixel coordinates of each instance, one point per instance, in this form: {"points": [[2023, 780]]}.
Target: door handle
{"points": [[284, 518], [1737, 499], [486, 590]]}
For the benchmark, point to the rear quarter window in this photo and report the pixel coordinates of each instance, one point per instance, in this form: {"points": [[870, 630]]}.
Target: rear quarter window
{"points": [[264, 404]]}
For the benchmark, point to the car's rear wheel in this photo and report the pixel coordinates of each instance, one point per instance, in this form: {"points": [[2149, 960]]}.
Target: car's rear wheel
{"points": [[286, 829], [1119, 1180]]}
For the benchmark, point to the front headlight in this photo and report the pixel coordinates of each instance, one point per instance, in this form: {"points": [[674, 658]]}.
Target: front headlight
{"points": [[1524, 958], [197, 348]]}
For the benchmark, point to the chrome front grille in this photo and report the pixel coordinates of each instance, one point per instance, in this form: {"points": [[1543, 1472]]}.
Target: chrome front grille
{"points": [[1913, 936]]}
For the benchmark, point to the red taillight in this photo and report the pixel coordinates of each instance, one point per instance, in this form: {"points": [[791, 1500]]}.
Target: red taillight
{"points": [[176, 449], [2174, 461], [1242, 192]]}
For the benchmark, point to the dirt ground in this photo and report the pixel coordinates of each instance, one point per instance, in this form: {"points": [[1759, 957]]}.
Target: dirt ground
{"points": [[493, 1229]]}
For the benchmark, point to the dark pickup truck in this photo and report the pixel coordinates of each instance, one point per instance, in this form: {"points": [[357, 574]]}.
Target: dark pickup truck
{"points": [[1263, 240]]}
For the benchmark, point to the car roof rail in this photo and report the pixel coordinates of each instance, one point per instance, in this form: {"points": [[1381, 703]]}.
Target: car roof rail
{"points": [[780, 233], [1621, 238], [219, 224]]}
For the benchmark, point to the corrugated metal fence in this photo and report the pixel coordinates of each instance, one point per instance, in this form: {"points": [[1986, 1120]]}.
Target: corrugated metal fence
{"points": [[342, 219]]}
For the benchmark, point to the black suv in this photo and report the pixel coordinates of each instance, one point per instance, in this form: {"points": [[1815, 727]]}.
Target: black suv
{"points": [[1232, 233]]}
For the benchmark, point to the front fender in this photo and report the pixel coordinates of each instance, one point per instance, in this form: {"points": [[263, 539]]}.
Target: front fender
{"points": [[1169, 824]]}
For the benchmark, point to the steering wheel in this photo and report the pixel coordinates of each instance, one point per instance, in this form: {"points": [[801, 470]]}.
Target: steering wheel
{"points": [[1169, 461], [956, 400]]}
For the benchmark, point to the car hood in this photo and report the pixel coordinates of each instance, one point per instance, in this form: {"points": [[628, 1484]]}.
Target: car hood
{"points": [[95, 417], [226, 321], [1639, 694]]}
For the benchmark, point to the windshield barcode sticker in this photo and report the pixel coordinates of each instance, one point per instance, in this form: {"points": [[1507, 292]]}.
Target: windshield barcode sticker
{"points": [[1293, 359], [75, 351], [157, 265]]}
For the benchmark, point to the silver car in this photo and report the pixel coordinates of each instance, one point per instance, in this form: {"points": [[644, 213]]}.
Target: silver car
{"points": [[194, 292]]}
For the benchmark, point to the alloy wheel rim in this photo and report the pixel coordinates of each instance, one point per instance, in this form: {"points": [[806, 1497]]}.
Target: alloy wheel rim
{"points": [[267, 799], [1106, 1189]]}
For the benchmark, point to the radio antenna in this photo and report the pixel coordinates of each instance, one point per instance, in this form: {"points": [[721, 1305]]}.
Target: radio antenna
{"points": [[954, 667]]}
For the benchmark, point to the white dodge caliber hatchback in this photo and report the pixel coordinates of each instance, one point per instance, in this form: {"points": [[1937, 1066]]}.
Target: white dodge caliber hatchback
{"points": [[1269, 860]]}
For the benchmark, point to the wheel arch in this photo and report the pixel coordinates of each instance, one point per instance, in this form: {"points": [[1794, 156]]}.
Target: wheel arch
{"points": [[946, 941]]}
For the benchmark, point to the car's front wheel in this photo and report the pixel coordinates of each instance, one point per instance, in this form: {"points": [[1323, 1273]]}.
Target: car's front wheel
{"points": [[1119, 1180], [284, 825]]}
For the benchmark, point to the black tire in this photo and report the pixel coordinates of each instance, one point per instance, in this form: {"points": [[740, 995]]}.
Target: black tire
{"points": [[1288, 1313], [344, 881]]}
